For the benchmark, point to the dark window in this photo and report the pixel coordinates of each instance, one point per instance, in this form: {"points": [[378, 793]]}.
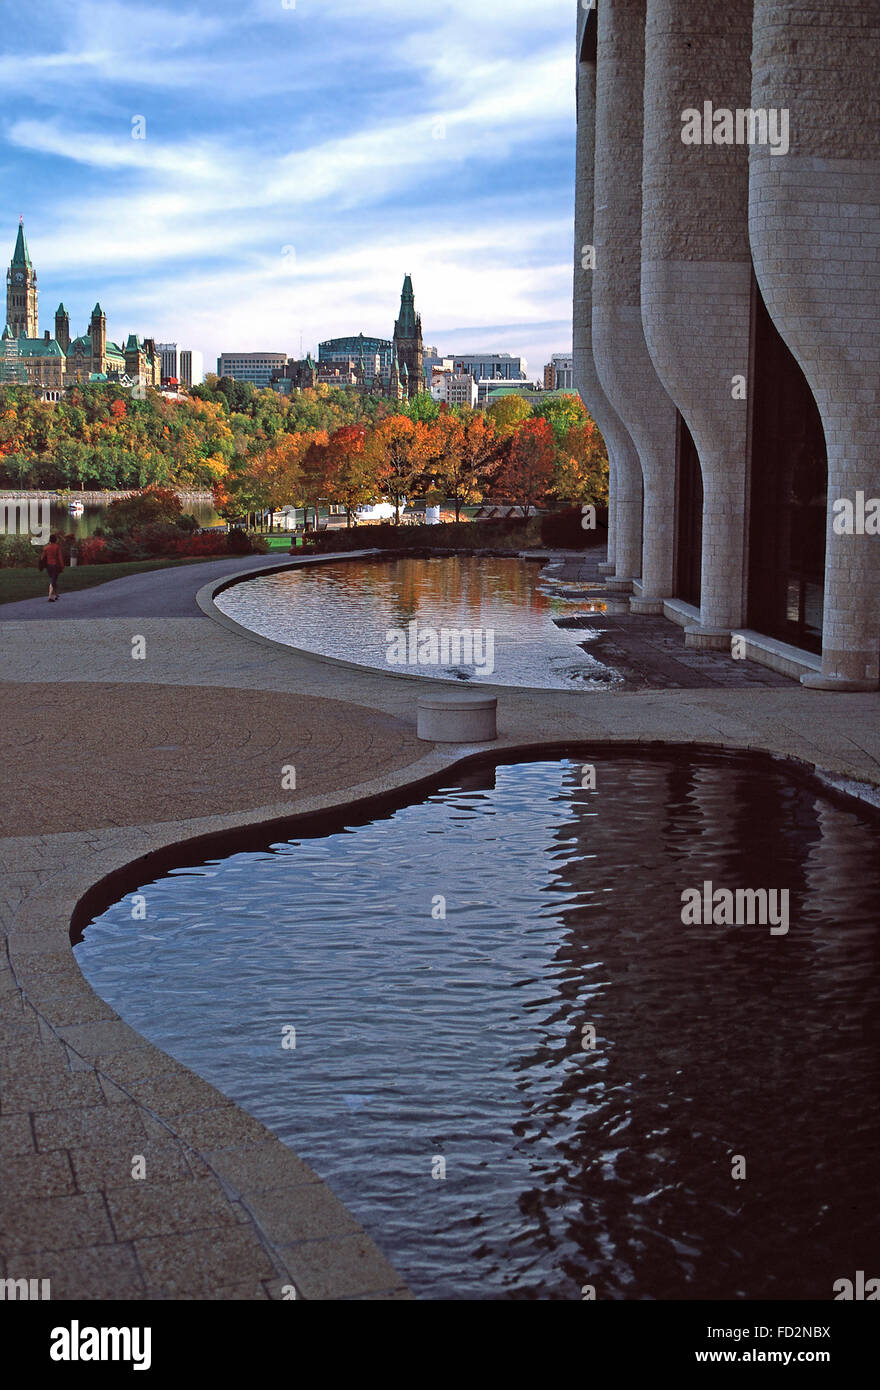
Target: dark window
{"points": [[689, 513], [789, 485]]}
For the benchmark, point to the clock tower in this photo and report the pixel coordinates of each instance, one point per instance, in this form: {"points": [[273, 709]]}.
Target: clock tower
{"points": [[21, 291]]}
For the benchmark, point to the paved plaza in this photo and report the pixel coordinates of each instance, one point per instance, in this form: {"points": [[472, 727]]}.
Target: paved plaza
{"points": [[137, 720]]}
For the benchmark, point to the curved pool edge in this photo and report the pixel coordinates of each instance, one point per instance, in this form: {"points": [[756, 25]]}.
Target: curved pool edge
{"points": [[338, 1260], [208, 593], [58, 1009]]}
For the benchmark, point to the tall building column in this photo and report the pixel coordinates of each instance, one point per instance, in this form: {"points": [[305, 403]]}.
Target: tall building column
{"points": [[696, 274], [623, 364], [814, 224], [625, 474]]}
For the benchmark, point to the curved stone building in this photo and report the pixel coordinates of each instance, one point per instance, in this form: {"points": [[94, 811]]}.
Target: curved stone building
{"points": [[728, 179]]}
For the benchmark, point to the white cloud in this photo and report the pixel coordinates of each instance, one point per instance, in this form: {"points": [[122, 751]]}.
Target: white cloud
{"points": [[183, 234]]}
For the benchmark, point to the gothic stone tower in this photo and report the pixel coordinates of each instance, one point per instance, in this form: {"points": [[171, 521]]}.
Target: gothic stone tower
{"points": [[21, 291], [98, 335], [408, 340], [62, 328]]}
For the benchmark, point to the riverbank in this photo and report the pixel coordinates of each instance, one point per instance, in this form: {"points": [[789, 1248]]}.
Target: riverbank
{"points": [[60, 497]]}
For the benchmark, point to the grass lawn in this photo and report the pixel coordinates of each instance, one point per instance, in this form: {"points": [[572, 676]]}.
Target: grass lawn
{"points": [[16, 584]]}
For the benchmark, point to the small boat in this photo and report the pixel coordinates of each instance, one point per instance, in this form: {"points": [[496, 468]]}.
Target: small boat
{"points": [[75, 508]]}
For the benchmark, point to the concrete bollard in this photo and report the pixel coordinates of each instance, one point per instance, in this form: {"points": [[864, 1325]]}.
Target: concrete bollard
{"points": [[458, 718]]}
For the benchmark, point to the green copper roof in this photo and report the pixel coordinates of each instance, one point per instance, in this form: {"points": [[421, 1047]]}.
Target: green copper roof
{"points": [[133, 343], [98, 312], [60, 310], [7, 332], [20, 255], [404, 371], [38, 347], [406, 323]]}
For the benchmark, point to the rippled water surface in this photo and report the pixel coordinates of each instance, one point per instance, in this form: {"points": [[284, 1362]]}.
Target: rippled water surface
{"points": [[345, 609], [420, 1037]]}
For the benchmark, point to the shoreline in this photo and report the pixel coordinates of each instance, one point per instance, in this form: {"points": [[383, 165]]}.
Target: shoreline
{"points": [[54, 495]]}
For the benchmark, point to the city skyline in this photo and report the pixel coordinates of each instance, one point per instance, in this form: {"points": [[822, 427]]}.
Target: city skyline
{"points": [[230, 224]]}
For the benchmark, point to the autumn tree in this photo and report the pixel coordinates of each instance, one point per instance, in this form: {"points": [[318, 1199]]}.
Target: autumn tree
{"points": [[465, 449], [398, 450], [562, 413], [528, 472], [349, 479], [582, 466], [316, 481], [507, 414]]}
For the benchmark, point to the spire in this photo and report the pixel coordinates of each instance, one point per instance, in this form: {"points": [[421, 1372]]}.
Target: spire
{"points": [[21, 255], [98, 312], [60, 310], [406, 324]]}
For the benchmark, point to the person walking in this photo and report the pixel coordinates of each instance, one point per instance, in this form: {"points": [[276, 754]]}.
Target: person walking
{"points": [[52, 561]]}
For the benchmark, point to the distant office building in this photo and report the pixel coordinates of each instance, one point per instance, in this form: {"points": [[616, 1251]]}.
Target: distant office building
{"points": [[375, 351], [255, 367], [169, 353], [192, 368], [452, 388], [436, 373], [563, 372], [549, 376], [432, 359], [491, 366]]}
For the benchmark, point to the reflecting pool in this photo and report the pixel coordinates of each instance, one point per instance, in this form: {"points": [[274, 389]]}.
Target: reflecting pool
{"points": [[348, 608], [515, 1063]]}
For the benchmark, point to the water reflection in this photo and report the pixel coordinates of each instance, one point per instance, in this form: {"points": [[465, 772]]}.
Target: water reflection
{"points": [[463, 1037], [93, 515], [345, 610]]}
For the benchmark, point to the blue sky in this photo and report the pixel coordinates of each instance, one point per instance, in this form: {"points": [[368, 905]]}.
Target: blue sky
{"points": [[299, 159]]}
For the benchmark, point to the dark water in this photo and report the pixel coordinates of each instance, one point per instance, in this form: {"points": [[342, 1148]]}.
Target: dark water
{"points": [[420, 1038], [93, 516], [347, 609]]}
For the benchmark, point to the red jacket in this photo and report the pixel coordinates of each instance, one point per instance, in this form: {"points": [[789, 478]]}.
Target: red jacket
{"points": [[54, 555]]}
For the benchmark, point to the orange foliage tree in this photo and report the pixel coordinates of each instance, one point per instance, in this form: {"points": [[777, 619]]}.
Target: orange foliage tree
{"points": [[527, 474], [398, 451]]}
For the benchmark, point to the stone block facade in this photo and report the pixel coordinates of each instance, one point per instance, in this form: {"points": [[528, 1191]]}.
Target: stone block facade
{"points": [[689, 235]]}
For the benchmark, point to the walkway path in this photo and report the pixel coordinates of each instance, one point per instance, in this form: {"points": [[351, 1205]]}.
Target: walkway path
{"points": [[108, 757]]}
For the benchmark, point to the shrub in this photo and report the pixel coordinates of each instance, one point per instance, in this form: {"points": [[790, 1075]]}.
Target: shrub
{"points": [[16, 552], [150, 506], [92, 550], [239, 543], [509, 533], [157, 538]]}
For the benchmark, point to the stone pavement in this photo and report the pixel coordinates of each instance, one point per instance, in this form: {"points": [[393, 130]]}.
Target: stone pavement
{"points": [[110, 757]]}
